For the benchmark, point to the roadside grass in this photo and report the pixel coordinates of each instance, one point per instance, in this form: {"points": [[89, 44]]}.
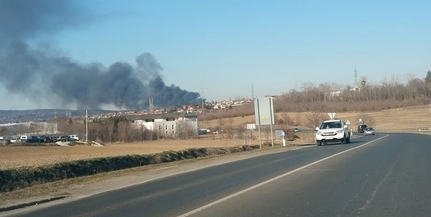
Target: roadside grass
{"points": [[60, 188], [12, 179]]}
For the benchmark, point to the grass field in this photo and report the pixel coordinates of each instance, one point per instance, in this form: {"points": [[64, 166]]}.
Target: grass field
{"points": [[18, 156], [393, 119]]}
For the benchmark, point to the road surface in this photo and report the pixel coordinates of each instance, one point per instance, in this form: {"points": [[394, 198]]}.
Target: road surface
{"points": [[381, 175]]}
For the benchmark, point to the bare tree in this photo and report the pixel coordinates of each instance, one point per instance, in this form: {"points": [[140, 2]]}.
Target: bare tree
{"points": [[428, 77], [230, 128], [185, 130], [366, 119], [313, 119], [298, 119], [123, 131], [3, 131]]}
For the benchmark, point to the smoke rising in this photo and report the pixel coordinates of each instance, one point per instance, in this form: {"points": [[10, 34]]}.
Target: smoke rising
{"points": [[42, 76]]}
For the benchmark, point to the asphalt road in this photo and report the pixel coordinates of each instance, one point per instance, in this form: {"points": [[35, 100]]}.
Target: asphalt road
{"points": [[381, 175]]}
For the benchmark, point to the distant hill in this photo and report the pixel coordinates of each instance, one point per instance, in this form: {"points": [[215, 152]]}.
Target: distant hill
{"points": [[35, 115]]}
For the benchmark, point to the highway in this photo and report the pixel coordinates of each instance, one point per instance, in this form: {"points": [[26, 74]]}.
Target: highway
{"points": [[381, 175]]}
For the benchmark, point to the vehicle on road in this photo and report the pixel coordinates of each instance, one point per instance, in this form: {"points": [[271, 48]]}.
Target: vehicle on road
{"points": [[361, 128], [332, 131], [369, 131]]}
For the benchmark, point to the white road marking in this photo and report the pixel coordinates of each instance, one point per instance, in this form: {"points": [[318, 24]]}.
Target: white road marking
{"points": [[373, 195], [272, 180]]}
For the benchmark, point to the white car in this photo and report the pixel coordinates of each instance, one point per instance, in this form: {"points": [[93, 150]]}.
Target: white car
{"points": [[74, 137], [369, 131], [332, 131]]}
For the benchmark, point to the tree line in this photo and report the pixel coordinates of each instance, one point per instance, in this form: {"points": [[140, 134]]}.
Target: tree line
{"points": [[311, 98], [332, 97]]}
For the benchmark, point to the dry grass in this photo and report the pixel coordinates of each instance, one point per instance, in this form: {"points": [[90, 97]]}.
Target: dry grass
{"points": [[18, 156], [393, 119]]}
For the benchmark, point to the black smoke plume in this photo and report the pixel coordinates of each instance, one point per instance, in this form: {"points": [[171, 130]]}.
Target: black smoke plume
{"points": [[47, 78]]}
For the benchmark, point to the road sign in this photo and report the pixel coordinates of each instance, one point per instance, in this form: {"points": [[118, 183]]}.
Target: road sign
{"points": [[264, 115], [331, 115], [251, 126], [264, 111]]}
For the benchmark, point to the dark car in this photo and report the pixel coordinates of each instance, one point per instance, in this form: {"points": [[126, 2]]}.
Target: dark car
{"points": [[45, 139], [361, 128], [64, 138]]}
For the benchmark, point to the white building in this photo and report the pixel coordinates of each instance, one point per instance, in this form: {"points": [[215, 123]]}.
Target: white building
{"points": [[168, 124]]}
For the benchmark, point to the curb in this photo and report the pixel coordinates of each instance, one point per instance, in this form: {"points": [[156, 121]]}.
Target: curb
{"points": [[31, 203]]}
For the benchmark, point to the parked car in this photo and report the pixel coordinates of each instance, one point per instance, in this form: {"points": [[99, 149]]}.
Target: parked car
{"points": [[29, 139], [15, 139], [5, 141], [64, 138], [369, 131], [73, 138], [56, 138], [45, 139]]}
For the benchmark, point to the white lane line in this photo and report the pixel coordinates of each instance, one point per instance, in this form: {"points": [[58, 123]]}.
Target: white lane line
{"points": [[272, 180]]}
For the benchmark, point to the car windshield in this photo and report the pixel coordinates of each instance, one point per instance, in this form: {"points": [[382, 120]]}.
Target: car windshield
{"points": [[329, 125]]}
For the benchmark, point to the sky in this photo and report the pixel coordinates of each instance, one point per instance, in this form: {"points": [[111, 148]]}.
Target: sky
{"points": [[232, 49]]}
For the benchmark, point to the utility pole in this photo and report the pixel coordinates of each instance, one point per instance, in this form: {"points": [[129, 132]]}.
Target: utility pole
{"points": [[86, 125], [252, 91], [202, 99], [151, 105], [356, 77]]}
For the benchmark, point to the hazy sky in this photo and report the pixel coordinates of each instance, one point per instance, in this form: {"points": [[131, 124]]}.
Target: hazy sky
{"points": [[221, 48]]}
